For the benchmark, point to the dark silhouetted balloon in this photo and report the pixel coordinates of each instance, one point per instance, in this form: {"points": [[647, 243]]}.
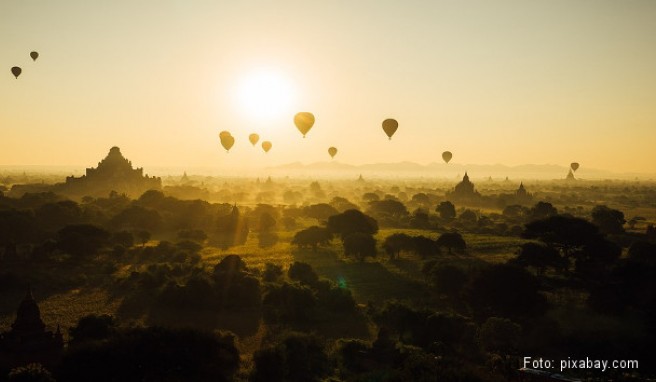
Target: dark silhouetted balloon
{"points": [[16, 71], [447, 156], [253, 138], [34, 55], [390, 126], [227, 141], [266, 146], [304, 122], [574, 166], [224, 134], [332, 151]]}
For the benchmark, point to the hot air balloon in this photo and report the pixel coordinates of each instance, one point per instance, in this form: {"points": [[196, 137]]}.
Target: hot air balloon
{"points": [[304, 122], [224, 134], [390, 126], [574, 166], [253, 138], [227, 141], [332, 151], [16, 71], [447, 156], [266, 146], [34, 55]]}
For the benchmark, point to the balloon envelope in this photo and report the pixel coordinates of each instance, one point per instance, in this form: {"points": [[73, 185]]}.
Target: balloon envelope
{"points": [[574, 166], [304, 122], [227, 141], [16, 71], [253, 138], [266, 146], [332, 151], [224, 134], [447, 156], [34, 55], [390, 126]]}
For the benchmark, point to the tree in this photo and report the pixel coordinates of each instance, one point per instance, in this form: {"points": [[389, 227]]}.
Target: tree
{"points": [[266, 222], [594, 260], [143, 237], [312, 237], [397, 242], [650, 232], [234, 284], [137, 218], [342, 204], [540, 257], [542, 210], [643, 252], [82, 239], [53, 216], [468, 216], [154, 354], [360, 245], [302, 273], [421, 198], [152, 198], [92, 328], [514, 211], [232, 229], [370, 197], [420, 219], [315, 188], [500, 335], [446, 210], [229, 267], [17, 227], [123, 238], [192, 234], [448, 279], [33, 372], [288, 303], [292, 197], [452, 241], [505, 290], [352, 221], [272, 272], [608, 220], [298, 358], [321, 211], [563, 232], [387, 207], [424, 246]]}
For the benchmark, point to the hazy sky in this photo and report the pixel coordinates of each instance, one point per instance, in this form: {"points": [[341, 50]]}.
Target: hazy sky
{"points": [[509, 82]]}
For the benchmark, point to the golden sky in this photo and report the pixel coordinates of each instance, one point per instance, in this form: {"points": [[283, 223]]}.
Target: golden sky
{"points": [[510, 82]]}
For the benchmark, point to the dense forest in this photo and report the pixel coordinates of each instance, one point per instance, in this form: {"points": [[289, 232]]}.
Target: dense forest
{"points": [[332, 280]]}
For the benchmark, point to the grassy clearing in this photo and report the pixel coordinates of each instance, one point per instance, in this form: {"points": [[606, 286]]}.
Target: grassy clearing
{"points": [[254, 255], [65, 308]]}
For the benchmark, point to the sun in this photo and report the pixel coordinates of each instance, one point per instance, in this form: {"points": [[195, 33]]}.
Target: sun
{"points": [[265, 95]]}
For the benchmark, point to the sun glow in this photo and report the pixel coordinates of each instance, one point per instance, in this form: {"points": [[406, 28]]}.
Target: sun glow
{"points": [[265, 95]]}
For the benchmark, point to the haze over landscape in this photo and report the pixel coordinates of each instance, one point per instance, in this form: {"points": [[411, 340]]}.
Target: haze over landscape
{"points": [[313, 191]]}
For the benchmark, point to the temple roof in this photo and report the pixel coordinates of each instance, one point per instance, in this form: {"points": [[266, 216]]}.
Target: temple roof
{"points": [[28, 316]]}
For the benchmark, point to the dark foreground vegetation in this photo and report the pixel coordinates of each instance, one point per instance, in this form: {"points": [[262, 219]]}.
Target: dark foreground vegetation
{"points": [[365, 282]]}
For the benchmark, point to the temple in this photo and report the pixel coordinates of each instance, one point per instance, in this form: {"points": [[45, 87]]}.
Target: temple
{"points": [[114, 173], [464, 191], [522, 196], [28, 341], [570, 175]]}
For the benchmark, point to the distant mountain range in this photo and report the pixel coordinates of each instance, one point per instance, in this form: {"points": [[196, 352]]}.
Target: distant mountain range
{"points": [[336, 169], [442, 170]]}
